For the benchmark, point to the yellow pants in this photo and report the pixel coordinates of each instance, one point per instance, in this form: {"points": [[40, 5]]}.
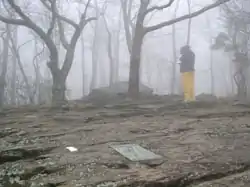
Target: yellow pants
{"points": [[188, 86]]}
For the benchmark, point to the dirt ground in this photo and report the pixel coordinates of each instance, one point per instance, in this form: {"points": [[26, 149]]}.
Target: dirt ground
{"points": [[202, 144]]}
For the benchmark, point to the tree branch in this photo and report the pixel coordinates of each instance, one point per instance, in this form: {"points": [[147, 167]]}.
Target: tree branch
{"points": [[71, 46], [20, 13], [90, 19], [23, 44], [12, 21], [53, 21], [126, 22], [27, 22], [62, 35], [60, 17], [83, 20], [85, 10], [159, 7], [187, 16], [20, 64]]}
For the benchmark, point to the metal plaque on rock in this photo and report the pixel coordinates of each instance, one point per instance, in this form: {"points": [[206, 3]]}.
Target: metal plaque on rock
{"points": [[135, 152]]}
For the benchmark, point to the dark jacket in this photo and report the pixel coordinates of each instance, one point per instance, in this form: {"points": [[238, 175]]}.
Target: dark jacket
{"points": [[187, 60]]}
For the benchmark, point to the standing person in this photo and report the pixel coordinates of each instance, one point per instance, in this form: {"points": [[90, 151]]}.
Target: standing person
{"points": [[187, 72]]}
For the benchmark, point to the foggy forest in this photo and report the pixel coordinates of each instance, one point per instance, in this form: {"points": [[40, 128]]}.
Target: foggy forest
{"points": [[124, 93], [58, 50]]}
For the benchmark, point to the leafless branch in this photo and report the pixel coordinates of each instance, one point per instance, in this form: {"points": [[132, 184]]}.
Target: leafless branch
{"points": [[16, 53], [106, 26], [53, 21], [90, 19], [26, 21], [83, 20], [159, 7], [38, 54], [23, 44], [62, 35], [60, 17], [85, 10], [19, 11], [12, 21], [187, 16], [126, 12], [71, 45]]}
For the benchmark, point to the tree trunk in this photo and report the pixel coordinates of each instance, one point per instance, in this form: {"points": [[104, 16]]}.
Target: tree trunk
{"points": [[212, 71], [59, 78], [126, 10], [117, 51], [58, 89], [117, 58], [111, 61], [38, 98], [211, 59], [173, 80], [110, 54], [189, 23], [232, 78], [4, 64], [135, 59], [94, 58], [14, 69], [25, 78], [240, 81], [83, 66]]}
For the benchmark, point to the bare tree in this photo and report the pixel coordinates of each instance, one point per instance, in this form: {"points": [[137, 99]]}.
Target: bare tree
{"points": [[129, 26], [5, 54], [173, 80], [110, 53], [100, 10], [95, 54], [141, 31], [37, 58], [211, 57], [15, 51], [14, 69], [117, 49], [236, 40], [59, 75], [189, 22], [83, 65]]}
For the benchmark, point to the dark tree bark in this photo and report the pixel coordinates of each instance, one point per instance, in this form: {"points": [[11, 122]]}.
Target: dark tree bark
{"points": [[135, 58]]}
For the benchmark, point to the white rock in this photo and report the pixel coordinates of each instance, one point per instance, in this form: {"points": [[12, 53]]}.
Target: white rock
{"points": [[72, 149]]}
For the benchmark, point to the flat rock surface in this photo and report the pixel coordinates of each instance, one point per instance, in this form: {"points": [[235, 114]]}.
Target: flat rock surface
{"points": [[202, 144]]}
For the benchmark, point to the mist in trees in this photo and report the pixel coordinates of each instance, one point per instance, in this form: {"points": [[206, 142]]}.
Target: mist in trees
{"points": [[235, 42], [52, 51]]}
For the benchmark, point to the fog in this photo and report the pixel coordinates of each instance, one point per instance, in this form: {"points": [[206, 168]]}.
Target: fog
{"points": [[157, 52]]}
